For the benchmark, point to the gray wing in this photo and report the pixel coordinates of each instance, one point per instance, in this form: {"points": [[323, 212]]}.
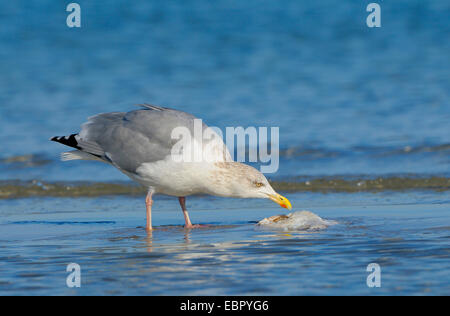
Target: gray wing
{"points": [[129, 139]]}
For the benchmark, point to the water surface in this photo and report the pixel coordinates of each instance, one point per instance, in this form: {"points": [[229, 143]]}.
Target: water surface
{"points": [[230, 256]]}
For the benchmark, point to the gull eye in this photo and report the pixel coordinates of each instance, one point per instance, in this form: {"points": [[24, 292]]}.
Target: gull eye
{"points": [[258, 184]]}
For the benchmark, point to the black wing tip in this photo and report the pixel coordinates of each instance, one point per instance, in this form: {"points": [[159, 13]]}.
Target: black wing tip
{"points": [[66, 140]]}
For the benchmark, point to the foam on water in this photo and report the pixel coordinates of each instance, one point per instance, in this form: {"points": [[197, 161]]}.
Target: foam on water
{"points": [[300, 220]]}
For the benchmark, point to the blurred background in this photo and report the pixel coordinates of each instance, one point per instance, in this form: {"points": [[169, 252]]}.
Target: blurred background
{"points": [[349, 99]]}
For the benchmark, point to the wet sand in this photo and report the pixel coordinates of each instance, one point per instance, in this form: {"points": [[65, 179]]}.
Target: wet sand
{"points": [[229, 256]]}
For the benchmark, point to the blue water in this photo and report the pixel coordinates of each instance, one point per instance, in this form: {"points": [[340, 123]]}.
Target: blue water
{"points": [[349, 100], [314, 69], [231, 256]]}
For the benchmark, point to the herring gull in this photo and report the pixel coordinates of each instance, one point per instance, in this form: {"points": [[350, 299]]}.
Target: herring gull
{"points": [[140, 144]]}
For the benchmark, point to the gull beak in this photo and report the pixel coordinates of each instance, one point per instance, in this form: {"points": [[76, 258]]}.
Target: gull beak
{"points": [[277, 198]]}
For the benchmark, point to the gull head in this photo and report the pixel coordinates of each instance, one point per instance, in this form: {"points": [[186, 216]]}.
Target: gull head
{"points": [[234, 179]]}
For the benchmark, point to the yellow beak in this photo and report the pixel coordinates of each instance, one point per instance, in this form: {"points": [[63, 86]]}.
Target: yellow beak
{"points": [[277, 198]]}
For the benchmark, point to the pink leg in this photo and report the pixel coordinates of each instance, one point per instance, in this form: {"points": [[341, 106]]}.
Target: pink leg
{"points": [[148, 204], [187, 221]]}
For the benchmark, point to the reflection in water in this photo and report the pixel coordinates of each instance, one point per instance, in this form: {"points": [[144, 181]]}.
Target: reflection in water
{"points": [[149, 240], [149, 237], [233, 259], [227, 259], [187, 234]]}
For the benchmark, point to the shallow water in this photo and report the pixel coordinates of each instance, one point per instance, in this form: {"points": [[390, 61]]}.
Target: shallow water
{"points": [[408, 238], [364, 139]]}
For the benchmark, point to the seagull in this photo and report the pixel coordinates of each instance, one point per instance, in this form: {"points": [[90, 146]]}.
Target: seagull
{"points": [[141, 143]]}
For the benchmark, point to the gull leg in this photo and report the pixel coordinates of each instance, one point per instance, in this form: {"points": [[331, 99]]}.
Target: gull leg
{"points": [[187, 221], [148, 204]]}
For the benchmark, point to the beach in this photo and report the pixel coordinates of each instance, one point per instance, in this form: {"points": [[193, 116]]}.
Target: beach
{"points": [[407, 237]]}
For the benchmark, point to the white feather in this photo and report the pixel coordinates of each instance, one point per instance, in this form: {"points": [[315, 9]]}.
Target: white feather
{"points": [[78, 155]]}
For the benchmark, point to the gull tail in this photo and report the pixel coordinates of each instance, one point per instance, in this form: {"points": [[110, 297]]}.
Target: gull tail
{"points": [[70, 141], [79, 154]]}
